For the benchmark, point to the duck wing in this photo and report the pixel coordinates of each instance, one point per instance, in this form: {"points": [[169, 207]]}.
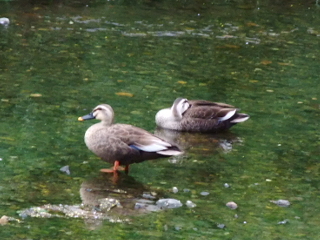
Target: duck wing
{"points": [[209, 110], [208, 104], [140, 139]]}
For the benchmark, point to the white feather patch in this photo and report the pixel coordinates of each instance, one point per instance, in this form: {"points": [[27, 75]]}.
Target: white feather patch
{"points": [[238, 120], [169, 152], [154, 147], [228, 115]]}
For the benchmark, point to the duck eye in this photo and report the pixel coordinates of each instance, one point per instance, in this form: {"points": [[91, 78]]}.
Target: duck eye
{"points": [[97, 109]]}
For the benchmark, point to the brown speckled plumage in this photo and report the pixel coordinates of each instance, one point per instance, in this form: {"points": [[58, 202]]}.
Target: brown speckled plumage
{"points": [[122, 142]]}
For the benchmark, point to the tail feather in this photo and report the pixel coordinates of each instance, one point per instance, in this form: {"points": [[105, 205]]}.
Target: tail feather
{"points": [[240, 118], [228, 115], [170, 152]]}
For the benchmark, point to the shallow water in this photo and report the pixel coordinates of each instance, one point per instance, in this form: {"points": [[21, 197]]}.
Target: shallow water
{"points": [[58, 61]]}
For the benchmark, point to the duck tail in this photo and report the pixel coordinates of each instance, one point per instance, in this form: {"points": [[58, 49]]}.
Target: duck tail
{"points": [[171, 151], [240, 117]]}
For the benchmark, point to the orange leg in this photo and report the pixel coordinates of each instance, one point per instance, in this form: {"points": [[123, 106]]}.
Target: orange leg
{"points": [[115, 177], [116, 167]]}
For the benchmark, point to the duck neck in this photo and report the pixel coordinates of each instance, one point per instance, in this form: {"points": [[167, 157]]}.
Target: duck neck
{"points": [[107, 122], [175, 115]]}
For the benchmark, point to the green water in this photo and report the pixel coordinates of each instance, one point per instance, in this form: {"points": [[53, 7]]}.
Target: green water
{"points": [[58, 61]]}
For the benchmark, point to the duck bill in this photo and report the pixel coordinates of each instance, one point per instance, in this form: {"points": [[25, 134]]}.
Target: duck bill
{"points": [[86, 117]]}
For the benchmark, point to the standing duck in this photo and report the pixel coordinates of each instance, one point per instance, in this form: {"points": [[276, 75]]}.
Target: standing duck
{"points": [[122, 144], [199, 116]]}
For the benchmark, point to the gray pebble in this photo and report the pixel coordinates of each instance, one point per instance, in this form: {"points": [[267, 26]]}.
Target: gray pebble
{"points": [[284, 221], [65, 169], [204, 193], [221, 225], [4, 21], [175, 190], [281, 203], [190, 204], [168, 203]]}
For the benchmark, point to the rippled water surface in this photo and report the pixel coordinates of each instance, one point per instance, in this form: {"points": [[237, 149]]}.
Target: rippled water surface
{"points": [[59, 60]]}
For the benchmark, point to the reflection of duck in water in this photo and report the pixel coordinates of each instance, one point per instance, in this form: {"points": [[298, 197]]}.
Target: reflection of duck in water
{"points": [[118, 201], [199, 142], [103, 186], [102, 200], [123, 144], [199, 116]]}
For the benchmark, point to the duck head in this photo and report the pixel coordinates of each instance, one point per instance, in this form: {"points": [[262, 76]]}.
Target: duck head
{"points": [[102, 112], [180, 105]]}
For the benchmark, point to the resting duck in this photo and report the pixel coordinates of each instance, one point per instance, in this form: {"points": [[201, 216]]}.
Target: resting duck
{"points": [[122, 144], [199, 116]]}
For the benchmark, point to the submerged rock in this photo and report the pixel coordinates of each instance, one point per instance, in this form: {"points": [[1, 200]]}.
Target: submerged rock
{"points": [[284, 221], [147, 207], [190, 204], [148, 195], [225, 145], [108, 203], [281, 203], [232, 205], [177, 228], [204, 193], [4, 21], [65, 169], [175, 190], [64, 211], [168, 203], [4, 220], [221, 225]]}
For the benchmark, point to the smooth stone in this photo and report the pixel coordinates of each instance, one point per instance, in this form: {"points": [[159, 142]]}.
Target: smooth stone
{"points": [[232, 205]]}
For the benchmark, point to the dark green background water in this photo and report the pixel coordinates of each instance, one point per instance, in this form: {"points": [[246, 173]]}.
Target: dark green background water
{"points": [[261, 57]]}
